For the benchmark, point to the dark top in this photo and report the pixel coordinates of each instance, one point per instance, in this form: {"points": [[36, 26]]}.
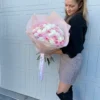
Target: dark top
{"points": [[77, 35]]}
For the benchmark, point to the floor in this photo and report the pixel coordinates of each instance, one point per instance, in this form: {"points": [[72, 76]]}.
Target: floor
{"points": [[3, 97]]}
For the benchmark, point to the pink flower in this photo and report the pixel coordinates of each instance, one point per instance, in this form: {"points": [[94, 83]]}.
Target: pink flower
{"points": [[56, 42], [40, 35], [54, 37], [46, 38], [48, 31]]}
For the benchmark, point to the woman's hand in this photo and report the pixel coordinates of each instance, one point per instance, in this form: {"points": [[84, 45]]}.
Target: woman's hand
{"points": [[58, 51]]}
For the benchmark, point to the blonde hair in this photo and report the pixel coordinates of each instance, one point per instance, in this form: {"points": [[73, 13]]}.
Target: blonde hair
{"points": [[82, 9]]}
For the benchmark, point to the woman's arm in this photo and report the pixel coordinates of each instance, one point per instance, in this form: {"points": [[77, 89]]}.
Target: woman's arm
{"points": [[58, 51]]}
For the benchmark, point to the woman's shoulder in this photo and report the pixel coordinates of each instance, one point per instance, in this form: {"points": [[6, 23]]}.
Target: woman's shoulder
{"points": [[77, 20]]}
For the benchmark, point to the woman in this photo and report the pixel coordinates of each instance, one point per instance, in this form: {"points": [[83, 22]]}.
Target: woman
{"points": [[70, 62]]}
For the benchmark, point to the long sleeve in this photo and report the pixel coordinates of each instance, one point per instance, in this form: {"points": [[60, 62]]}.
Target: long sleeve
{"points": [[77, 36]]}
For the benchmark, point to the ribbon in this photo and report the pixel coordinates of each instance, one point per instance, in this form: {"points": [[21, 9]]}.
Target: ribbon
{"points": [[41, 66]]}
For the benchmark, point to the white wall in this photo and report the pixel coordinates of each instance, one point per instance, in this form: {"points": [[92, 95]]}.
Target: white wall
{"points": [[0, 34], [18, 59]]}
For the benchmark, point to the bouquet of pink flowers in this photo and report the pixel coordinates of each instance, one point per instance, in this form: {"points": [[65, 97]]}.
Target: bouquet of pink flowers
{"points": [[48, 33]]}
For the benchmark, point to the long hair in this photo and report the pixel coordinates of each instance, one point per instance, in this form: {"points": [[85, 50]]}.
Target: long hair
{"points": [[82, 9]]}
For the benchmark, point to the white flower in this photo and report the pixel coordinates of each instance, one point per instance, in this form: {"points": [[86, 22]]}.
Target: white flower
{"points": [[36, 34], [51, 41], [39, 31], [44, 30], [48, 27], [53, 31], [60, 38], [41, 39], [51, 34]]}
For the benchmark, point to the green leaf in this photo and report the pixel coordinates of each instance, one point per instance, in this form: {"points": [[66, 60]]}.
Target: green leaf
{"points": [[48, 61], [52, 59], [37, 53], [38, 57]]}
